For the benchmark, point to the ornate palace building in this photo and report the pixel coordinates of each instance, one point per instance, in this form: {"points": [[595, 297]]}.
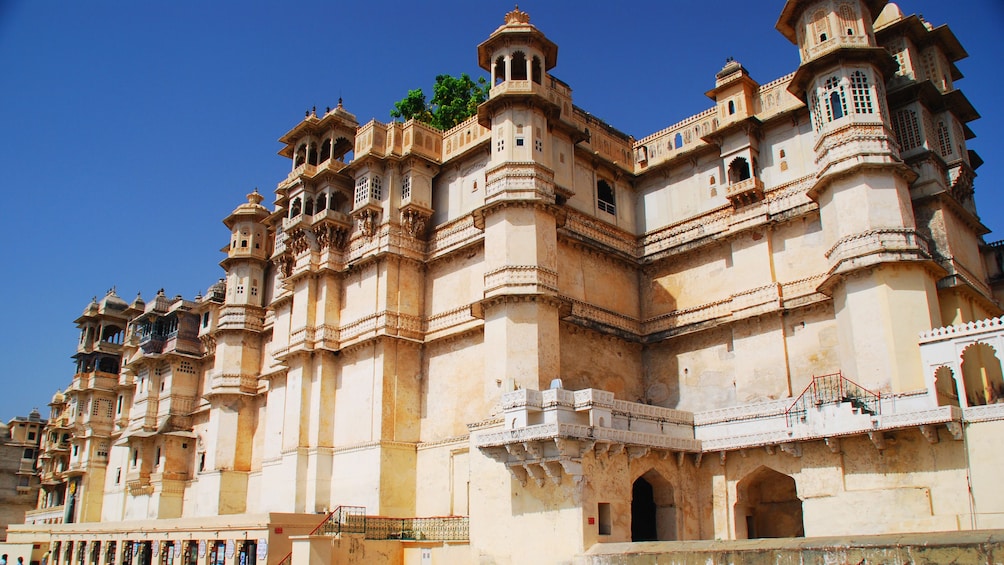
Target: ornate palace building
{"points": [[532, 336]]}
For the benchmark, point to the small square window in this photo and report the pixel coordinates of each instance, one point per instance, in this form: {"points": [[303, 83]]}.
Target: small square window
{"points": [[519, 142]]}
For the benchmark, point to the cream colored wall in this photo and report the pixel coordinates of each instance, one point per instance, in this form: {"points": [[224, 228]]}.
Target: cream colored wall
{"points": [[670, 286], [454, 281], [986, 459], [798, 249], [590, 359], [698, 370], [681, 192], [598, 280], [454, 389]]}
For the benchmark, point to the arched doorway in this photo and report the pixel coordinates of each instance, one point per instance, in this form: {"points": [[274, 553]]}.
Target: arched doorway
{"points": [[768, 506], [653, 509], [981, 375]]}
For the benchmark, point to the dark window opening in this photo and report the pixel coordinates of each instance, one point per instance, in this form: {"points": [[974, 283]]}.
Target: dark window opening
{"points": [[739, 170], [535, 69], [836, 105], [732, 107], [605, 197], [678, 141], [325, 150], [321, 203], [294, 210], [312, 154], [301, 156], [517, 67], [308, 206], [499, 70]]}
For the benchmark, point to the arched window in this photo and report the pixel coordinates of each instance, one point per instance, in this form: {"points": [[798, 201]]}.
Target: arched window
{"points": [[321, 203], [308, 206], [294, 210], [732, 107], [678, 141], [312, 154], [836, 102], [605, 197], [517, 66], [860, 93], [836, 107], [301, 155], [499, 70], [325, 150], [739, 170], [535, 68]]}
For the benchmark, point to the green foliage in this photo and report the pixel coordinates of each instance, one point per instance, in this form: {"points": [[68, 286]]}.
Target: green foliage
{"points": [[453, 101]]}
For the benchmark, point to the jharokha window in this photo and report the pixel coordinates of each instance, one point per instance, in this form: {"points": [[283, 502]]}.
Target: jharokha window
{"points": [[605, 197]]}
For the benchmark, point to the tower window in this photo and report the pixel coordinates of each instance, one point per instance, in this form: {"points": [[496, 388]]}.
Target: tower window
{"points": [[906, 128], [732, 107], [836, 102], [376, 188], [362, 190], [605, 197], [860, 93], [517, 68], [535, 69], [406, 187], [499, 70], [944, 139], [519, 142]]}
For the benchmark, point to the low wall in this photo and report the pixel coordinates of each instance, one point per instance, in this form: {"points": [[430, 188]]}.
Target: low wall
{"points": [[982, 547]]}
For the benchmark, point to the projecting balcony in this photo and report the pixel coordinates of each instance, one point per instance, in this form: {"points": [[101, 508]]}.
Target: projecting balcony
{"points": [[745, 192]]}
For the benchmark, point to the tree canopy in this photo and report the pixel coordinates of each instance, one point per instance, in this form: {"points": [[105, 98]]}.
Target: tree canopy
{"points": [[453, 101]]}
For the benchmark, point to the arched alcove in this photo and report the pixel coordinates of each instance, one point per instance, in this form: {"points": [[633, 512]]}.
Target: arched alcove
{"points": [[653, 509], [739, 170], [981, 375], [944, 386], [768, 506]]}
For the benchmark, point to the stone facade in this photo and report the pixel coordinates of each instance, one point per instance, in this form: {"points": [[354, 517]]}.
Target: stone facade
{"points": [[19, 453], [532, 333]]}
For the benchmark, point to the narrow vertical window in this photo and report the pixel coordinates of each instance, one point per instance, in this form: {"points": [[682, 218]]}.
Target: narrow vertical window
{"points": [[906, 128], [944, 139], [362, 190], [860, 93], [376, 188], [406, 187]]}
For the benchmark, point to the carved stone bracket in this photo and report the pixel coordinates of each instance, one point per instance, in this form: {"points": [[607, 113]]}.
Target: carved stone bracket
{"points": [[414, 222], [833, 443], [955, 428], [793, 449], [367, 221], [930, 433]]}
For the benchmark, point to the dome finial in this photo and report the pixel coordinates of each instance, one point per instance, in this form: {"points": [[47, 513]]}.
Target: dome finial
{"points": [[517, 17]]}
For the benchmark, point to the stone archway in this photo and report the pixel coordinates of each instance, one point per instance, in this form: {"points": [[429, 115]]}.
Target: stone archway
{"points": [[981, 375], [653, 509], [768, 506]]}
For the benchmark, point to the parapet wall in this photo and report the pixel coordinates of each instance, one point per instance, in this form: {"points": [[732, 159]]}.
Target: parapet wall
{"points": [[974, 547]]}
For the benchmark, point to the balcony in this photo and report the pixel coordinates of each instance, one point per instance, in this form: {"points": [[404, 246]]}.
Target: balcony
{"points": [[745, 192]]}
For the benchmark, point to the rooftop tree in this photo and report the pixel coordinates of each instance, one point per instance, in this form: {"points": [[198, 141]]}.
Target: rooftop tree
{"points": [[453, 101]]}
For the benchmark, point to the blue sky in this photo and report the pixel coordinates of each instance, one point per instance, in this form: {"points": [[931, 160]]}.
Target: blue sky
{"points": [[133, 128]]}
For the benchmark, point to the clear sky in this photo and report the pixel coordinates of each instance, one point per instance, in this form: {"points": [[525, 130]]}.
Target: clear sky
{"points": [[133, 128]]}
